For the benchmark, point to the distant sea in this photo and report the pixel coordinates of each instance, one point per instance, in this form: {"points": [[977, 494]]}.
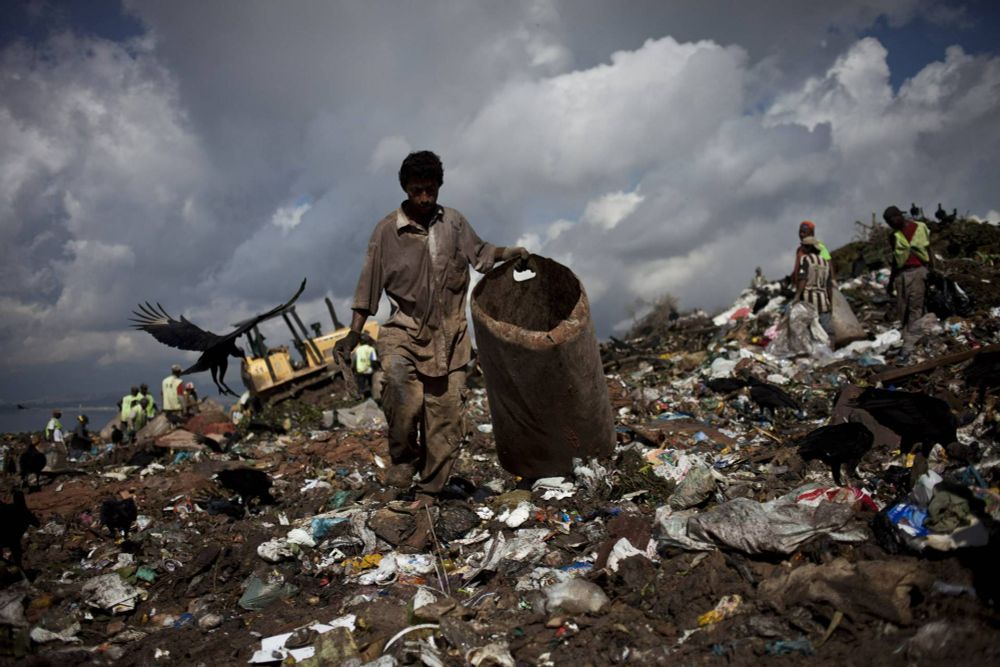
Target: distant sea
{"points": [[13, 420]]}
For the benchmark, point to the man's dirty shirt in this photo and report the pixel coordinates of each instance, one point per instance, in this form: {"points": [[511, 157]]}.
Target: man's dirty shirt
{"points": [[425, 273]]}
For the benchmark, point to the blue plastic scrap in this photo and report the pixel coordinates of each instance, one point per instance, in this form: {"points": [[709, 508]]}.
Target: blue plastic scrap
{"points": [[909, 518], [786, 647]]}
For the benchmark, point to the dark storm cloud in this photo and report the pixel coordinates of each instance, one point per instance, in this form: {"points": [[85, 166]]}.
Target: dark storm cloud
{"points": [[233, 148]]}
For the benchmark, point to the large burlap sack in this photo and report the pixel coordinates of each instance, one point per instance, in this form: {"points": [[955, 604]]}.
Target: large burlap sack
{"points": [[845, 326], [542, 367]]}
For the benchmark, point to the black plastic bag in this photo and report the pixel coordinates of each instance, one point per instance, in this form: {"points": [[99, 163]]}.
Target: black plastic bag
{"points": [[945, 297]]}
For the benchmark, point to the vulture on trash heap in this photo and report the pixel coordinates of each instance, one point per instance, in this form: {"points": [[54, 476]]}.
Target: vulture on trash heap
{"points": [[836, 445], [184, 335], [14, 521], [119, 515], [769, 397], [918, 419], [247, 483]]}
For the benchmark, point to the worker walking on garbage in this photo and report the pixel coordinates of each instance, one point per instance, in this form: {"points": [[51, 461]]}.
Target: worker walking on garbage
{"points": [[815, 281], [420, 255], [911, 258], [55, 439], [171, 388], [364, 357]]}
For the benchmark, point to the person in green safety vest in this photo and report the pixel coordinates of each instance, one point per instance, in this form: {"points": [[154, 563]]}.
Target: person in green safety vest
{"points": [[364, 358], [137, 418], [54, 429], [150, 401], [171, 387], [126, 405], [911, 260]]}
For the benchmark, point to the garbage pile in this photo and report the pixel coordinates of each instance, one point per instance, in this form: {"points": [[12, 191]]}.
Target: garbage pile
{"points": [[706, 536]]}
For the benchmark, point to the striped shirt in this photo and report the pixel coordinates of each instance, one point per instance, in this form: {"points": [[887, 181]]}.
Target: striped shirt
{"points": [[817, 276]]}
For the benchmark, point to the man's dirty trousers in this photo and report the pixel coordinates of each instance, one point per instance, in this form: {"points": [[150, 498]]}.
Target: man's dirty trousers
{"points": [[425, 419], [910, 286]]}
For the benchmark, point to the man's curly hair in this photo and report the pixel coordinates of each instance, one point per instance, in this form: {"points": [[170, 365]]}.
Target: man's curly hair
{"points": [[421, 165]]}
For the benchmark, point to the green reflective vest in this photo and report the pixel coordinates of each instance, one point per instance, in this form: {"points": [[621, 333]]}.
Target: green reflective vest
{"points": [[919, 245], [52, 426], [127, 401], [171, 400], [150, 405], [823, 252], [363, 355]]}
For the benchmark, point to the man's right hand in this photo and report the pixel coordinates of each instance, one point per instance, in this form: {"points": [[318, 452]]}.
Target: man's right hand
{"points": [[346, 345]]}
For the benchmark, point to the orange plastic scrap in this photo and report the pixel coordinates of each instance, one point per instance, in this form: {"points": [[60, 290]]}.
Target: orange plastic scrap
{"points": [[362, 563]]}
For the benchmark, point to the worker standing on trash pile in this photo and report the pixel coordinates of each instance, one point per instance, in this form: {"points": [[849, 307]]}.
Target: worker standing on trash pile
{"points": [[420, 255], [80, 442], [911, 259], [136, 418], [364, 357], [815, 281], [150, 402], [171, 388], [807, 229], [126, 404]]}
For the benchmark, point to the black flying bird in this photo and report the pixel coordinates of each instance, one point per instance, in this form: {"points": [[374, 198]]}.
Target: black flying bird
{"points": [[916, 418], [14, 521], [247, 483], [836, 445], [215, 349], [119, 515]]}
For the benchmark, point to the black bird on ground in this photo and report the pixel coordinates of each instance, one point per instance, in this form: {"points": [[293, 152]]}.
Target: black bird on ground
{"points": [[918, 419], [769, 397], [915, 210], [836, 445], [216, 506], [215, 349], [14, 521], [984, 373], [31, 462], [247, 483], [725, 385], [119, 515]]}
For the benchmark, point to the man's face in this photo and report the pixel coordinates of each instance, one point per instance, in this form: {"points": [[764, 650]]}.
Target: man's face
{"points": [[803, 232], [896, 222], [422, 194]]}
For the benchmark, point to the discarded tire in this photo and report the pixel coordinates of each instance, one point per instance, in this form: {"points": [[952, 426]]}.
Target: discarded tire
{"points": [[544, 378]]}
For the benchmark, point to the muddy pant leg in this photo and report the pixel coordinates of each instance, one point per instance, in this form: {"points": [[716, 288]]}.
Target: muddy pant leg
{"points": [[912, 284], [443, 419], [402, 402]]}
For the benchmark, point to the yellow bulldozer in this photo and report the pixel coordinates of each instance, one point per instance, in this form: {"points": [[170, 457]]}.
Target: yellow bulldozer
{"points": [[273, 374]]}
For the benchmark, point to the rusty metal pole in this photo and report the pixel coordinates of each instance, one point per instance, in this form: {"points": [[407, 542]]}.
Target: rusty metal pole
{"points": [[333, 314], [262, 351], [305, 335]]}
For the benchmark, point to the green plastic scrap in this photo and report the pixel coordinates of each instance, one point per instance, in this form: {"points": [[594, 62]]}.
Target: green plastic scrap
{"points": [[146, 574]]}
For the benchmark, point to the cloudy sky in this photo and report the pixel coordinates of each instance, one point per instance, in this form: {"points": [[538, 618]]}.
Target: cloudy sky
{"points": [[208, 155]]}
